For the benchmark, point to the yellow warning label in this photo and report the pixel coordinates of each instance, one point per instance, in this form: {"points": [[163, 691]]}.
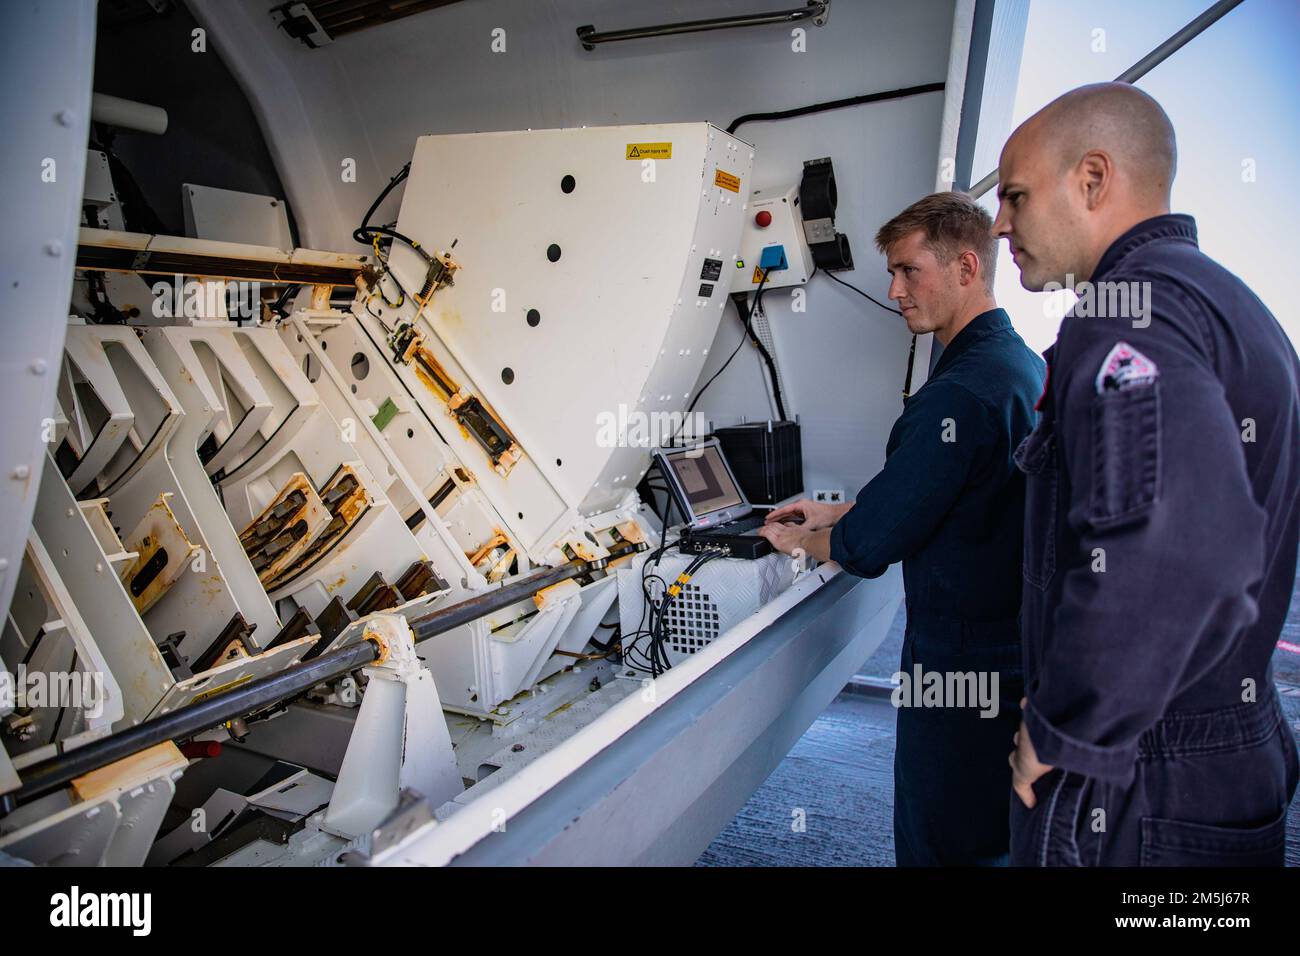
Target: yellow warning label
{"points": [[726, 181], [758, 275], [224, 687], [649, 150]]}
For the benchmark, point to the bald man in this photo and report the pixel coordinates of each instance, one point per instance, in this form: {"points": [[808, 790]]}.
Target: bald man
{"points": [[1162, 513]]}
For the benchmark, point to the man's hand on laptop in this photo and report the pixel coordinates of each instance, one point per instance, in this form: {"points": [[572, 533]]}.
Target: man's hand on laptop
{"points": [[796, 539], [811, 515], [785, 537]]}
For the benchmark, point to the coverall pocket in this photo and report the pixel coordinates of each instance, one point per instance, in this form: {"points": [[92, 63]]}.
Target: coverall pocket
{"points": [[1065, 809], [1048, 835], [1125, 455], [1177, 843], [1036, 457]]}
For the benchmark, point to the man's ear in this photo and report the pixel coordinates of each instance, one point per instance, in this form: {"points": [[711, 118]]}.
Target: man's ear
{"points": [[1096, 176], [967, 267]]}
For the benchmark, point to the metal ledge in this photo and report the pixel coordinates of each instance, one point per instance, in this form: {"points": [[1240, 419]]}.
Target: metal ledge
{"points": [[816, 10], [110, 251], [663, 789]]}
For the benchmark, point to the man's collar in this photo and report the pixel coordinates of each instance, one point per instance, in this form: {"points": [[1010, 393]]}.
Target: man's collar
{"points": [[984, 324], [1170, 226]]}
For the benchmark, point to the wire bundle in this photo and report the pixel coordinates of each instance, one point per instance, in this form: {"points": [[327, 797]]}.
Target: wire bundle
{"points": [[370, 235], [654, 633]]}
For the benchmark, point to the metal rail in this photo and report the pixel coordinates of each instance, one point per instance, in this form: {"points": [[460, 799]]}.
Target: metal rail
{"points": [[816, 11], [257, 695]]}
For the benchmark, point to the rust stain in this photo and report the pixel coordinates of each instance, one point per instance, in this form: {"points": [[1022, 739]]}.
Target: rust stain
{"points": [[213, 586], [157, 529], [558, 710], [311, 512], [341, 515]]}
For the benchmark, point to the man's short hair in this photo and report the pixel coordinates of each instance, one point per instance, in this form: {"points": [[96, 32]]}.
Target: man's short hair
{"points": [[952, 223]]}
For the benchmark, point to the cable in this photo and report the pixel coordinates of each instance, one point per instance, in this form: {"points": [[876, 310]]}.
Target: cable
{"points": [[659, 629], [632, 654], [767, 356], [748, 313], [392, 184], [366, 235], [105, 313], [369, 235], [835, 104], [279, 305], [907, 379], [378, 318], [831, 275], [911, 355]]}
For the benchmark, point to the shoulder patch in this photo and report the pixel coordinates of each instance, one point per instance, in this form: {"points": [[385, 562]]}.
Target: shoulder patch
{"points": [[1125, 367]]}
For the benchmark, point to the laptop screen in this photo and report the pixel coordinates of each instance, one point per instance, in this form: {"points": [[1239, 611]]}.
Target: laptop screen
{"points": [[704, 479]]}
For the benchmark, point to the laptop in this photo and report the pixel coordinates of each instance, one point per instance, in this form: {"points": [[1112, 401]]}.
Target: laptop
{"points": [[718, 516]]}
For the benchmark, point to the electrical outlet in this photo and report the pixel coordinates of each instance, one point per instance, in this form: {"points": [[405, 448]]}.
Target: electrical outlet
{"points": [[831, 496]]}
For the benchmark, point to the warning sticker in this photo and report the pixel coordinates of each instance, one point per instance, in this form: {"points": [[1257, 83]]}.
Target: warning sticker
{"points": [[222, 689], [726, 181], [649, 150], [758, 275]]}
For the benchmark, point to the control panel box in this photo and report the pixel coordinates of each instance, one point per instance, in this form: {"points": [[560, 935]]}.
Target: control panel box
{"points": [[773, 239]]}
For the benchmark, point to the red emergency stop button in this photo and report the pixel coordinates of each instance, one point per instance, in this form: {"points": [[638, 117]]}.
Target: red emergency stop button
{"points": [[763, 219]]}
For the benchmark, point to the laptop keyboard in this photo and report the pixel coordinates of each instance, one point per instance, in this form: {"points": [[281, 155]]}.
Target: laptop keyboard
{"points": [[741, 525]]}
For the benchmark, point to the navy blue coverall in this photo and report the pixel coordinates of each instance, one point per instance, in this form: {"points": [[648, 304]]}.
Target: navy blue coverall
{"points": [[949, 504], [1160, 553]]}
